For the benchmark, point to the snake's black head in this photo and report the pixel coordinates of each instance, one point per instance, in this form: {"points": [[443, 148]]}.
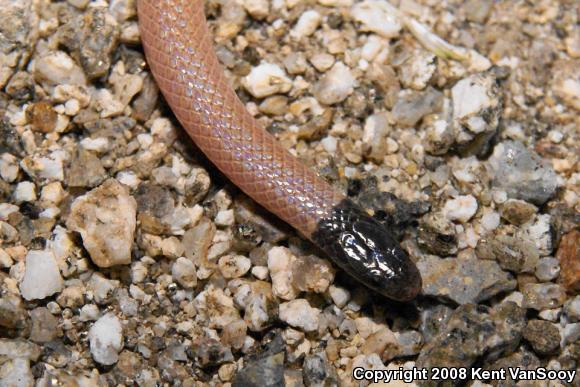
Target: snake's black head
{"points": [[366, 250]]}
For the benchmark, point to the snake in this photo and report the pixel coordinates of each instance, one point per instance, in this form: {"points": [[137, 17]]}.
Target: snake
{"points": [[178, 48]]}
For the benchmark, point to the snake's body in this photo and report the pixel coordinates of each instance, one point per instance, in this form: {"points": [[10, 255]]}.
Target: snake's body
{"points": [[179, 51]]}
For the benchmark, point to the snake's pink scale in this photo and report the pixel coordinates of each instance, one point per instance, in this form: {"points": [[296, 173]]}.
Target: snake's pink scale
{"points": [[179, 50]]}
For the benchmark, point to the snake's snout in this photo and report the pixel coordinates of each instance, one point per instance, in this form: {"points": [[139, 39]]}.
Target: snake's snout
{"points": [[407, 284]]}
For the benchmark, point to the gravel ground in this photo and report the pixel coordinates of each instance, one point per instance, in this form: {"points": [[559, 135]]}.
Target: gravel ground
{"points": [[126, 258]]}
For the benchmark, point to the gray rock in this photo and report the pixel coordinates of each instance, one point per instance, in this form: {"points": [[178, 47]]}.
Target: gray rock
{"points": [[476, 110], [10, 141], [376, 130], [571, 333], [145, 102], [209, 352], [543, 296], [514, 254], [543, 336], [332, 317], [260, 307], [14, 349], [154, 203], [572, 309], [92, 37], [58, 68], [409, 343], [44, 326], [547, 269], [293, 378], [128, 306], [463, 280], [85, 170], [437, 235], [16, 356], [264, 225], [523, 359], [472, 332], [433, 320], [18, 34], [439, 136], [16, 372], [265, 369], [522, 173], [410, 109], [318, 371]]}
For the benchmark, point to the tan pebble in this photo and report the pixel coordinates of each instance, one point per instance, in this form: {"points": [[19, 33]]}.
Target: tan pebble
{"points": [[42, 117]]}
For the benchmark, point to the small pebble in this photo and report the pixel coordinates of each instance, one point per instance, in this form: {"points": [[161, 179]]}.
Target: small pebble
{"points": [[106, 339], [184, 273], [25, 192], [306, 24], [299, 314], [89, 312], [42, 277], [547, 269], [522, 173], [9, 167], [260, 272], [335, 86], [265, 80], [322, 61], [517, 212], [106, 219], [57, 68], [572, 309], [312, 274], [42, 117], [490, 221], [340, 296], [280, 261], [543, 296], [539, 231], [377, 16], [258, 9], [463, 280], [543, 336], [514, 254], [44, 326], [552, 315], [460, 209], [225, 218], [234, 266], [569, 258]]}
